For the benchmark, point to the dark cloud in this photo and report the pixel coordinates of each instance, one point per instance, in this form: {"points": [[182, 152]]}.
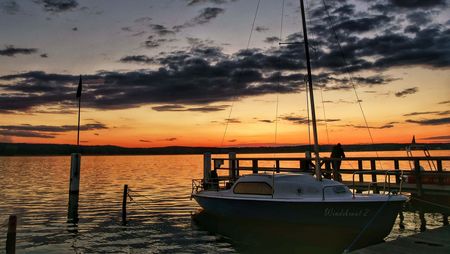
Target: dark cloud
{"points": [[153, 42], [261, 29], [161, 30], [57, 5], [44, 131], [205, 16], [265, 121], [232, 140], [407, 91], [24, 134], [440, 138], [296, 119], [272, 39], [170, 139], [444, 102], [386, 126], [198, 76], [197, 2], [362, 24], [49, 128], [43, 55], [75, 29], [145, 141], [421, 113], [178, 108], [141, 59], [11, 51], [417, 3], [10, 7], [436, 121], [304, 120]]}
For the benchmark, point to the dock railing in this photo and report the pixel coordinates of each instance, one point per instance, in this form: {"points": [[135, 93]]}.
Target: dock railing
{"points": [[393, 174]]}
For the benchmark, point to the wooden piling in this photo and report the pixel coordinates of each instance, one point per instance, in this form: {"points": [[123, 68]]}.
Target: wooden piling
{"points": [[373, 167], [439, 169], [418, 177], [397, 170], [124, 204], [206, 167], [232, 165], [361, 176], [74, 187], [255, 166], [11, 235]]}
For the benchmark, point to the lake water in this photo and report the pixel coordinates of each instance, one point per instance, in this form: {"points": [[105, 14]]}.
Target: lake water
{"points": [[160, 215]]}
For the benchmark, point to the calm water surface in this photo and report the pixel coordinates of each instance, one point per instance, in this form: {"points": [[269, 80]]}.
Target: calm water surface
{"points": [[160, 215]]}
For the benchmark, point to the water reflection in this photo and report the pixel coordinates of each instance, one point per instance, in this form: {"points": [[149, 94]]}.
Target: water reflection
{"points": [[267, 237]]}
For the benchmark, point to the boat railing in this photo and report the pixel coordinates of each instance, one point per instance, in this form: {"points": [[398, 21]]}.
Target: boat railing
{"points": [[386, 183], [209, 184]]}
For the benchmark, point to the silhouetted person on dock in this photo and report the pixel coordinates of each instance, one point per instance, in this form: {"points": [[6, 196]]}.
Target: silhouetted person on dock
{"points": [[214, 178], [337, 153]]}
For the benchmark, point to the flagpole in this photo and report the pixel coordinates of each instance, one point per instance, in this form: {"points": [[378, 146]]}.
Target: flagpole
{"points": [[79, 113], [78, 133]]}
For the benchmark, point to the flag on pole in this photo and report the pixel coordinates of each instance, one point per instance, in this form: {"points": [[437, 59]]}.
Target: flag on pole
{"points": [[80, 87]]}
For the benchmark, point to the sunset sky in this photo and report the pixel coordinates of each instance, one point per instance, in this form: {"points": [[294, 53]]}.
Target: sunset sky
{"points": [[174, 72]]}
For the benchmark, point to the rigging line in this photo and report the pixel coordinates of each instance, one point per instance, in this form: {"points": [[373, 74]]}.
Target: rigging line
{"points": [[325, 116], [307, 111], [235, 96], [350, 76], [279, 77]]}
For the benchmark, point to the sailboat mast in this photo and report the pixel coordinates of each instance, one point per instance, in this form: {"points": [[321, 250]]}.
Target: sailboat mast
{"points": [[311, 94]]}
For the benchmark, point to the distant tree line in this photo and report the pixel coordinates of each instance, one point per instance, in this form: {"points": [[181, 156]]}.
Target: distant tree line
{"points": [[23, 149]]}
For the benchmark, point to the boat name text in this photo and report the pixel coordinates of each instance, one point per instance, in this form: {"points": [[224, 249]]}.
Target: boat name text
{"points": [[346, 212]]}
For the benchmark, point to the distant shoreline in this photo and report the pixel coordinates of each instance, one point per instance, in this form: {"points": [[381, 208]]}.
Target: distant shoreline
{"points": [[24, 149]]}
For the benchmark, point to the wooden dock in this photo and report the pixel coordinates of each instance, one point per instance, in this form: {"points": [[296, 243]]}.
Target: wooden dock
{"points": [[427, 175], [435, 241]]}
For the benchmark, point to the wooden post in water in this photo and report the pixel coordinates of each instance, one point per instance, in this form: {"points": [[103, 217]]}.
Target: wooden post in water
{"points": [[328, 170], [206, 167], [124, 204], [397, 170], [74, 187], [418, 177], [232, 165], [255, 166], [361, 176], [11, 235]]}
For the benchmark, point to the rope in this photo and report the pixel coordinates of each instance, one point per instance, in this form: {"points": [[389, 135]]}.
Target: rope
{"points": [[307, 109], [279, 77], [325, 116], [235, 96], [341, 51], [366, 226]]}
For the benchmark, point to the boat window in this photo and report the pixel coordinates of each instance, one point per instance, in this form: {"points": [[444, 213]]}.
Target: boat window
{"points": [[254, 188]]}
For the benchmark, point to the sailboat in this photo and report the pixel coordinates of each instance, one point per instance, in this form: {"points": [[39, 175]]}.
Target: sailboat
{"points": [[322, 207]]}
